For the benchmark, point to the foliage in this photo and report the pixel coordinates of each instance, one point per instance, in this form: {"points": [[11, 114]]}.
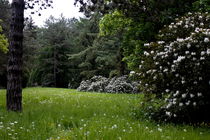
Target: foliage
{"points": [[52, 113], [68, 48], [136, 22], [3, 50], [132, 34], [113, 23], [30, 50], [36, 6], [99, 59], [176, 69], [3, 42], [5, 11], [53, 64], [81, 56], [4, 16], [202, 5]]}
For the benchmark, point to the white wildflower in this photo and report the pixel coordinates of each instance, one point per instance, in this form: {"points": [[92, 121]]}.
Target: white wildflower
{"points": [[159, 129]]}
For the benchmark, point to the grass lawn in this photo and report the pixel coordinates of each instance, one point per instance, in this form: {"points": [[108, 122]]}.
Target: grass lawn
{"points": [[50, 114]]}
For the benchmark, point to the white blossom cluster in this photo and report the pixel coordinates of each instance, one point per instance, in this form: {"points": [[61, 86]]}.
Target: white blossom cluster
{"points": [[109, 85], [178, 66]]}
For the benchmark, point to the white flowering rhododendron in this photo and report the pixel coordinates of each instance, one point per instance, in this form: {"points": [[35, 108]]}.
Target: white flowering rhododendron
{"points": [[177, 69], [109, 85]]}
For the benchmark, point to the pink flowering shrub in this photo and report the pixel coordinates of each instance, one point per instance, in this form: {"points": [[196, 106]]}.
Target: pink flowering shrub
{"points": [[176, 71]]}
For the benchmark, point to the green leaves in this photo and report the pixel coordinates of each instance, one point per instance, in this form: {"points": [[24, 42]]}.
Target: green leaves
{"points": [[202, 5], [3, 42], [113, 23]]}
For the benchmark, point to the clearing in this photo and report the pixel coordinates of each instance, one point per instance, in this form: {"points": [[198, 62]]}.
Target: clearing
{"points": [[52, 113]]}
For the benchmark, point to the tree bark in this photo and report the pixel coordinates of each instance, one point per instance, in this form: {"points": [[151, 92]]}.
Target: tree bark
{"points": [[14, 67]]}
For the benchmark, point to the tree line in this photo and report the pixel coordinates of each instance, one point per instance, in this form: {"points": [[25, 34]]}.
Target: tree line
{"points": [[110, 41], [64, 52]]}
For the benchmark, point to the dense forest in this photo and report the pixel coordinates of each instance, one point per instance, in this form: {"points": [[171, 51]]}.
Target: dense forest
{"points": [[156, 42]]}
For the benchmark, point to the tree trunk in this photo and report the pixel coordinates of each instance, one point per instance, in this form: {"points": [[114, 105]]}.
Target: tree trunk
{"points": [[14, 68]]}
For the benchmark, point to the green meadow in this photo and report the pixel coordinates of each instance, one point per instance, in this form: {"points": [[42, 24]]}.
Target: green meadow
{"points": [[52, 114]]}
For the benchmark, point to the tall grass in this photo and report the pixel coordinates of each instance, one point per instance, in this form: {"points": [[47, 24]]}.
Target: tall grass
{"points": [[50, 113]]}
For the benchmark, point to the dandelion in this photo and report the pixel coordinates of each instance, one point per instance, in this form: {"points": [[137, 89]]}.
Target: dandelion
{"points": [[114, 126], [160, 129], [11, 123]]}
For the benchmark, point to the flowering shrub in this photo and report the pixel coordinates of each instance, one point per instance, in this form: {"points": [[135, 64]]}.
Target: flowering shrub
{"points": [[114, 85], [122, 85], [177, 69], [96, 83]]}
